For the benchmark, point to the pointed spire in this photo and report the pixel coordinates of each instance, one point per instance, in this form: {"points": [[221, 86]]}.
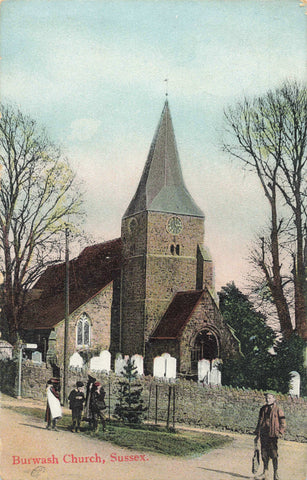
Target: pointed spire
{"points": [[162, 187]]}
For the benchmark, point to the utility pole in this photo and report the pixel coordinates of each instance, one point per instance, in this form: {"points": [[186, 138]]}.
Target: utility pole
{"points": [[65, 374]]}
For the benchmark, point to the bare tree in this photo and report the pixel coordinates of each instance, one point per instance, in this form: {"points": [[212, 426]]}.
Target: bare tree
{"points": [[269, 134], [39, 197]]}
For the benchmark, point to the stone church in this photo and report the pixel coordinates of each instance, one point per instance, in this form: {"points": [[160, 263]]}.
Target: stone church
{"points": [[149, 292]]}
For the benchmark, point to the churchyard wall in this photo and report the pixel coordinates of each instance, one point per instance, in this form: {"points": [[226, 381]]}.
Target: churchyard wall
{"points": [[219, 407]]}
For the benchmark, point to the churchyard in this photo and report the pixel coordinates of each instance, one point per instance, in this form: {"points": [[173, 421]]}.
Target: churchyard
{"points": [[169, 402]]}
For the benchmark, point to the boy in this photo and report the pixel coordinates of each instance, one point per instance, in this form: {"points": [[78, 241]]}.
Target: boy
{"points": [[76, 400]]}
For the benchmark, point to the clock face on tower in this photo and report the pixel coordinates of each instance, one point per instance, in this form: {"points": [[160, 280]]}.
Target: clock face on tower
{"points": [[174, 225]]}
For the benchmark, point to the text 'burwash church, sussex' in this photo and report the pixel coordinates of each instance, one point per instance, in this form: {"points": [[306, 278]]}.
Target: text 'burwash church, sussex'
{"points": [[149, 292]]}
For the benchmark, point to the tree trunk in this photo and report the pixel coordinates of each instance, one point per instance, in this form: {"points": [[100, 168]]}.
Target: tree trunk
{"points": [[299, 281], [276, 285]]}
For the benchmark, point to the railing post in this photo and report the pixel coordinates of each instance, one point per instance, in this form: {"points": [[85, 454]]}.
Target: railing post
{"points": [[168, 405], [156, 406]]}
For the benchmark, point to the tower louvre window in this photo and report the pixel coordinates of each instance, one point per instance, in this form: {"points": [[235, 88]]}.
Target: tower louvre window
{"points": [[172, 249], [177, 249]]}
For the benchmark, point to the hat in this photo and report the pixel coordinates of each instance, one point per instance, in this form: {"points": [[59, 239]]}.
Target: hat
{"points": [[97, 384], [80, 384], [54, 380]]}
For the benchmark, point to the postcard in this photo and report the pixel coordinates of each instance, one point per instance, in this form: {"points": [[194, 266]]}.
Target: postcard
{"points": [[153, 251]]}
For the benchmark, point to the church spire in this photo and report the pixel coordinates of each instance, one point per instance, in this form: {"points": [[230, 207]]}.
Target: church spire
{"points": [[162, 188]]}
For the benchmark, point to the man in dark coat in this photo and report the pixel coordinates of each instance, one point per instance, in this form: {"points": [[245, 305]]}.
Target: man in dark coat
{"points": [[76, 400], [271, 425], [97, 406], [88, 416]]}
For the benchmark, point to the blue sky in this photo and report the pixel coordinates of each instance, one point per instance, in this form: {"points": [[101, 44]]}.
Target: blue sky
{"points": [[93, 73]]}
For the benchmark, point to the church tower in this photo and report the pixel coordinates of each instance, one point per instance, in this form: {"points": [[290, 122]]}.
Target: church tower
{"points": [[162, 235]]}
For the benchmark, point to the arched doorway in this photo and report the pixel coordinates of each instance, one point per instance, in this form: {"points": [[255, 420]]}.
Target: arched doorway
{"points": [[206, 345]]}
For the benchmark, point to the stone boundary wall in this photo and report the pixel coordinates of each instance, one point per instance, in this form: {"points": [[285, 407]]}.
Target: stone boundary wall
{"points": [[8, 377], [221, 408]]}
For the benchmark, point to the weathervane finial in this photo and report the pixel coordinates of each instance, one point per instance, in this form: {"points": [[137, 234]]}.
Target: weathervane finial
{"points": [[166, 87]]}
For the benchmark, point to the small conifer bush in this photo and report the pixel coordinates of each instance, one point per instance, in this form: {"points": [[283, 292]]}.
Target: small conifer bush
{"points": [[129, 407]]}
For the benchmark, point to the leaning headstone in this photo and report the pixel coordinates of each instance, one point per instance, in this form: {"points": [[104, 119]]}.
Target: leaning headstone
{"points": [[105, 358], [159, 367], [139, 363], [295, 384], [203, 368], [76, 361], [120, 362], [170, 368], [37, 357]]}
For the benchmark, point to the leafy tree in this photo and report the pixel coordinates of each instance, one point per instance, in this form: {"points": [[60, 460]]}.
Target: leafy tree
{"points": [[269, 135], [255, 367], [39, 197], [290, 357], [130, 405]]}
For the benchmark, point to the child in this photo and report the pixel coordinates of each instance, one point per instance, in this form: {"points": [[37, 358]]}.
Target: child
{"points": [[97, 405], [76, 400], [53, 409]]}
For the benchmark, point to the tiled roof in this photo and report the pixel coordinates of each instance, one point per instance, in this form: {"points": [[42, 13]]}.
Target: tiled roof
{"points": [[90, 272], [177, 315], [162, 188]]}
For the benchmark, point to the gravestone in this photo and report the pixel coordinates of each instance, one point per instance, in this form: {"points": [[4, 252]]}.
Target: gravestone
{"points": [[76, 361], [120, 363], [203, 368], [6, 350], [101, 363], [165, 366], [159, 367], [37, 357], [139, 363], [295, 384], [215, 376], [105, 357], [170, 367]]}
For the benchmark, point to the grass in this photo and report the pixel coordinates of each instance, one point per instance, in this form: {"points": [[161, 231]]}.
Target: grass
{"points": [[145, 438]]}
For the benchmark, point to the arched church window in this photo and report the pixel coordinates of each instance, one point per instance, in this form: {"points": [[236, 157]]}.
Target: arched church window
{"points": [[83, 332]]}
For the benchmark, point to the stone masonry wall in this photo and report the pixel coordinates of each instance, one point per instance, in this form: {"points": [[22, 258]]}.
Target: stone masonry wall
{"points": [[98, 309], [8, 377]]}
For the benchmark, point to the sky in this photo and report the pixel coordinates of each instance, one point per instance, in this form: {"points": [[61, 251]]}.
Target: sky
{"points": [[93, 73]]}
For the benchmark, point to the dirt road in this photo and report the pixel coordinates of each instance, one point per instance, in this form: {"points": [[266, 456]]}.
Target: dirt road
{"points": [[24, 438]]}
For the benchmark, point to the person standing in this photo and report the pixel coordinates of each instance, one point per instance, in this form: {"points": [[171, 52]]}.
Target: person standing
{"points": [[97, 406], [88, 416], [271, 426], [53, 409], [76, 400]]}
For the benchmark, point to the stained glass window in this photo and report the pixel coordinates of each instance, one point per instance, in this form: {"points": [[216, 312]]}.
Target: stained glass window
{"points": [[83, 330]]}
